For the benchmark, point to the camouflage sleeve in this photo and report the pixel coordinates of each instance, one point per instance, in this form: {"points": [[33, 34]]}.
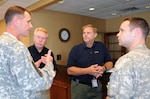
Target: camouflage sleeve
{"points": [[25, 73], [120, 85]]}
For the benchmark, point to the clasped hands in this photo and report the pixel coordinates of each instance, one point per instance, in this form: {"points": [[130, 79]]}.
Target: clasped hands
{"points": [[44, 59], [96, 70]]}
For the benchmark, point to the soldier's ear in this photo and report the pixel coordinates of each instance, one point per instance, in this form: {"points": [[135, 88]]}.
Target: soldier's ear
{"points": [[137, 32]]}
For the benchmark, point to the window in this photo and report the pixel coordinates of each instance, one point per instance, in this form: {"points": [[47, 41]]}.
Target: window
{"points": [[111, 42]]}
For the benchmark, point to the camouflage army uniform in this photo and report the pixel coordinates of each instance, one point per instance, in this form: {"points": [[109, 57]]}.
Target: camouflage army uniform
{"points": [[18, 78], [131, 76]]}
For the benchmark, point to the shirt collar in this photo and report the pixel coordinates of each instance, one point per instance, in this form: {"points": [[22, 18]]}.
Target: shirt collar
{"points": [[84, 45], [142, 46], [10, 35]]}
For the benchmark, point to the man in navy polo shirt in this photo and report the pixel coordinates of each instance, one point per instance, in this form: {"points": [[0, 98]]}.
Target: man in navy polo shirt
{"points": [[86, 64]]}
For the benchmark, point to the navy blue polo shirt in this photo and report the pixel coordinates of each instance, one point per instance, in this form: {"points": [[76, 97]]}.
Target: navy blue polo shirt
{"points": [[82, 56]]}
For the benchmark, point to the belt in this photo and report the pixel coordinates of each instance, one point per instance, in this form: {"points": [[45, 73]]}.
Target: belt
{"points": [[86, 83]]}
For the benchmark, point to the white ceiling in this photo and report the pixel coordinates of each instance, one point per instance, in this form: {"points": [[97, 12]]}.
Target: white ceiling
{"points": [[4, 4], [103, 8]]}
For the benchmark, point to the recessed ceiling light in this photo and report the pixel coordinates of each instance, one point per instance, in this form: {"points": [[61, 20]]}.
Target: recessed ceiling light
{"points": [[91, 9], [114, 14]]}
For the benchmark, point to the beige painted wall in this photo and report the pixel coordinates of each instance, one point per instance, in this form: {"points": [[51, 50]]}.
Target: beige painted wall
{"points": [[54, 21], [2, 26]]}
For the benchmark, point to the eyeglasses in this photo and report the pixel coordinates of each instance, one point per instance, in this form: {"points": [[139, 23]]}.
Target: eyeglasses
{"points": [[39, 37]]}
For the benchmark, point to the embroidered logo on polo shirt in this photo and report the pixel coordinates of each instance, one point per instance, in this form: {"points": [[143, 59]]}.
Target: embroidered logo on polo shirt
{"points": [[96, 52]]}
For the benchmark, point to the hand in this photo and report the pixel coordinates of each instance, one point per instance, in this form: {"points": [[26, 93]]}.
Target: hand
{"points": [[92, 70], [49, 58], [100, 70], [37, 63], [107, 97], [95, 70], [43, 59]]}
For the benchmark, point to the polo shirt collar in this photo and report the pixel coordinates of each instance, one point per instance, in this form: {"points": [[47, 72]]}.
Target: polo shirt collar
{"points": [[84, 45]]}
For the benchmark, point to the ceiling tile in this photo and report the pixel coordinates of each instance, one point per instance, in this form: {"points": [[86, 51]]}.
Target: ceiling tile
{"points": [[103, 8]]}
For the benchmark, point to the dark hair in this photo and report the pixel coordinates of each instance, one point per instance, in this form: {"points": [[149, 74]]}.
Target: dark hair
{"points": [[12, 11], [140, 23]]}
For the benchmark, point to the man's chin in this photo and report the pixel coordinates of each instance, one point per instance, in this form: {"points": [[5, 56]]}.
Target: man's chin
{"points": [[122, 45], [86, 41]]}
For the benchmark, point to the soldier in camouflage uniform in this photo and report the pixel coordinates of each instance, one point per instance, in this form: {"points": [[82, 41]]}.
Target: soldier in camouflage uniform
{"points": [[18, 77], [130, 79]]}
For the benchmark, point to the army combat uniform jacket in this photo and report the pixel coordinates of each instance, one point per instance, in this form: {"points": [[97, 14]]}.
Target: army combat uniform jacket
{"points": [[18, 77]]}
